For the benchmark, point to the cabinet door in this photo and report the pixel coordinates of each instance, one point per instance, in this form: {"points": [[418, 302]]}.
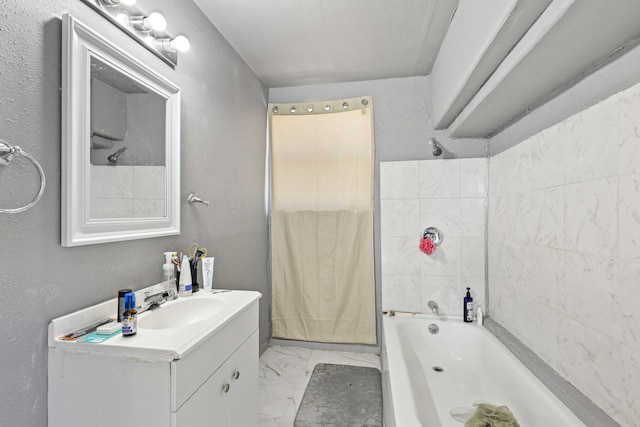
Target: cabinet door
{"points": [[208, 407], [229, 398], [243, 382]]}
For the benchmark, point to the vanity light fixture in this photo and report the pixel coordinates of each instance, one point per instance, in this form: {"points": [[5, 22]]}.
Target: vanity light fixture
{"points": [[118, 2], [179, 44], [153, 22], [148, 29]]}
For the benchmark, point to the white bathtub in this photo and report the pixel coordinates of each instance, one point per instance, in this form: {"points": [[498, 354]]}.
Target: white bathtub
{"points": [[476, 367]]}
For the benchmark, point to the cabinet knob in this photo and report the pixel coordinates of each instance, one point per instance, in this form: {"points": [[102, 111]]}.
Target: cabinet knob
{"points": [[225, 388], [236, 375]]}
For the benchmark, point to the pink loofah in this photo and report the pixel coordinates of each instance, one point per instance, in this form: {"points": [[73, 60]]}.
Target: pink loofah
{"points": [[427, 246]]}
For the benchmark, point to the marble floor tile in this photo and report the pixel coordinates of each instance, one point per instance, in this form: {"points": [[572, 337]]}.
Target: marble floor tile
{"points": [[285, 367], [268, 421], [276, 400], [284, 373]]}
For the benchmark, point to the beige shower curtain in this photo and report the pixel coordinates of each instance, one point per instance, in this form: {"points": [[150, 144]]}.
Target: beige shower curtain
{"points": [[322, 221]]}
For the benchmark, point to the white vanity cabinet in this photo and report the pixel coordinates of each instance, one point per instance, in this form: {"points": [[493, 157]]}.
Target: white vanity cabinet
{"points": [[204, 375], [224, 398]]}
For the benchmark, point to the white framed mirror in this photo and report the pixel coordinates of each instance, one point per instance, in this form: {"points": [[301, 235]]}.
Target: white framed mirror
{"points": [[120, 143]]}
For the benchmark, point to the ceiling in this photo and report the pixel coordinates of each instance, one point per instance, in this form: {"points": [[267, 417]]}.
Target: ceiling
{"points": [[300, 42], [532, 50]]}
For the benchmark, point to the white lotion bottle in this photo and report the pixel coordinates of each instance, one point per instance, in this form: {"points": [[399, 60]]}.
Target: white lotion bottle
{"points": [[207, 274], [185, 287]]}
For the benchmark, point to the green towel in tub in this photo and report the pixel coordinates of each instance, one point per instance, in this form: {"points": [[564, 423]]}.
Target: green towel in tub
{"points": [[488, 415]]}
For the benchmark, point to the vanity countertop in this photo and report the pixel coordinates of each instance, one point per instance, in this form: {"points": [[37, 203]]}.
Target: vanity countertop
{"points": [[161, 339]]}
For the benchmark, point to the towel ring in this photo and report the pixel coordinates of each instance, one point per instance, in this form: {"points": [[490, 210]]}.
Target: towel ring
{"points": [[7, 152]]}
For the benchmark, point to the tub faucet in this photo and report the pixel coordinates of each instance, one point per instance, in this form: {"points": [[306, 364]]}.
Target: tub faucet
{"points": [[433, 306]]}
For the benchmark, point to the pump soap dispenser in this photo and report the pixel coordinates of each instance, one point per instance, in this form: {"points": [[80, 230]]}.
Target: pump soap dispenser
{"points": [[467, 307], [168, 269]]}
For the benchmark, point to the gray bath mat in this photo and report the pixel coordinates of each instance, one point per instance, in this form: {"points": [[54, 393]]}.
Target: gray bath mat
{"points": [[340, 396]]}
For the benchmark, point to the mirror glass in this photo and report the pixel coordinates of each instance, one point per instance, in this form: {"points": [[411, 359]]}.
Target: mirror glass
{"points": [[121, 143], [127, 147]]}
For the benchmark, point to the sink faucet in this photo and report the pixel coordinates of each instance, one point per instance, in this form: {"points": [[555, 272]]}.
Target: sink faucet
{"points": [[151, 300], [433, 306]]}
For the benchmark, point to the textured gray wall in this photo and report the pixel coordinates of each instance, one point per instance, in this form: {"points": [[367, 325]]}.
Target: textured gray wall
{"points": [[223, 146], [402, 129]]}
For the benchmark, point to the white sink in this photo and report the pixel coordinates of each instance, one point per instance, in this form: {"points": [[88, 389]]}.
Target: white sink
{"points": [[179, 313], [169, 331]]}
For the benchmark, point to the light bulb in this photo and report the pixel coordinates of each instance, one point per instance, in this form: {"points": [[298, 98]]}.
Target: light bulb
{"points": [[181, 44], [123, 19], [155, 22]]}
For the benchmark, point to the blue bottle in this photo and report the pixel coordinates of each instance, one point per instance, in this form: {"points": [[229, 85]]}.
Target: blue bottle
{"points": [[130, 316], [467, 309]]}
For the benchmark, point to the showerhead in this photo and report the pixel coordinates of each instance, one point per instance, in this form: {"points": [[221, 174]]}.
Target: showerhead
{"points": [[435, 148], [114, 157]]}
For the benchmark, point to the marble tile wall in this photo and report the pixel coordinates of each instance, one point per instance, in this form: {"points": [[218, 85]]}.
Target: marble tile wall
{"points": [[127, 191], [564, 250], [450, 195]]}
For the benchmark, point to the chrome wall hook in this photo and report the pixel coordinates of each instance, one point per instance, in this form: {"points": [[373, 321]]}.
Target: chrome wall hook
{"points": [[434, 234], [7, 152], [193, 198]]}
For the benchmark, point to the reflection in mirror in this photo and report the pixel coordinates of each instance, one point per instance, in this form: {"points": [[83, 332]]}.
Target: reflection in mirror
{"points": [[120, 143], [127, 146]]}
